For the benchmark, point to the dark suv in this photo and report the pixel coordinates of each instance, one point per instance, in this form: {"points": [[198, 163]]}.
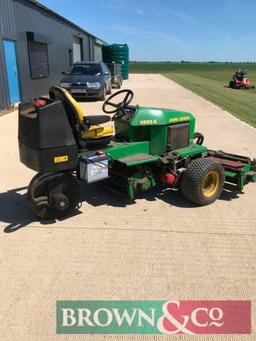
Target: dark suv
{"points": [[87, 79]]}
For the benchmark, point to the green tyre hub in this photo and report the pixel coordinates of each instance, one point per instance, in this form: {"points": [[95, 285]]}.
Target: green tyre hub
{"points": [[203, 181], [53, 195]]}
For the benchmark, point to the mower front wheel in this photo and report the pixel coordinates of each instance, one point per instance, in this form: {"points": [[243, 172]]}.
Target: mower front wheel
{"points": [[53, 195], [203, 181]]}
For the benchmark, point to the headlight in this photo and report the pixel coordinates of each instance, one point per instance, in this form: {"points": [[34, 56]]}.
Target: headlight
{"points": [[94, 85], [65, 85]]}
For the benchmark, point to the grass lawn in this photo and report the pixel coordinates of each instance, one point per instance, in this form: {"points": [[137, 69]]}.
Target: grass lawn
{"points": [[210, 81]]}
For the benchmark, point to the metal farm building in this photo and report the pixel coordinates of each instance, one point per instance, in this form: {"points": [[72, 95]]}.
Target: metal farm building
{"points": [[36, 45]]}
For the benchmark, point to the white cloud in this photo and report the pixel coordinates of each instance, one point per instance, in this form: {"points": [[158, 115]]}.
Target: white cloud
{"points": [[123, 5], [146, 34]]}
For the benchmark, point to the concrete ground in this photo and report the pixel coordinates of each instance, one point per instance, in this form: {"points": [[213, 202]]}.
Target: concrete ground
{"points": [[162, 247]]}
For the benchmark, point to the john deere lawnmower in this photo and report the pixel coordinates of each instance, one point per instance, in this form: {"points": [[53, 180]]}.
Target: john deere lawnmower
{"points": [[151, 147], [240, 81]]}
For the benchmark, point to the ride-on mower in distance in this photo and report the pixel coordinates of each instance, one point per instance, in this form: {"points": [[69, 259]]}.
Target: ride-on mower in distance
{"points": [[151, 147], [240, 81]]}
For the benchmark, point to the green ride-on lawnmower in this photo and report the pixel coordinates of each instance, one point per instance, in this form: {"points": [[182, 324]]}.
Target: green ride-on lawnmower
{"points": [[151, 147]]}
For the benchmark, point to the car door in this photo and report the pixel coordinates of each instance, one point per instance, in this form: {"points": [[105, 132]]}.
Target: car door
{"points": [[107, 75]]}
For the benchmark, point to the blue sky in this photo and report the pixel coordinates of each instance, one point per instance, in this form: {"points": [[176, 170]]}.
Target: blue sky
{"points": [[197, 30]]}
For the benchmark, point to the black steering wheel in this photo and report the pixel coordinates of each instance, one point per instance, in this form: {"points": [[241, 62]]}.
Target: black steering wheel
{"points": [[120, 107]]}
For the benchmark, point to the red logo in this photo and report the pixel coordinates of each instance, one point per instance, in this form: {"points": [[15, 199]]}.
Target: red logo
{"points": [[205, 317]]}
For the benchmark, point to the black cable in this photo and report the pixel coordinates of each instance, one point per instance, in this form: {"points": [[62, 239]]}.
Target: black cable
{"points": [[199, 137]]}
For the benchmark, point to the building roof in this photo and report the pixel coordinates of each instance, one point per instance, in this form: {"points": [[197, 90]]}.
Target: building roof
{"points": [[60, 17]]}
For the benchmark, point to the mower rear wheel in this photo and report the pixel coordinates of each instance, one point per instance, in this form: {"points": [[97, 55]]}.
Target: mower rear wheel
{"points": [[53, 195], [203, 181]]}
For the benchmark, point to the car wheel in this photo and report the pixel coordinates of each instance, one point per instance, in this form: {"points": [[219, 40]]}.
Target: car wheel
{"points": [[119, 83], [104, 94], [110, 89]]}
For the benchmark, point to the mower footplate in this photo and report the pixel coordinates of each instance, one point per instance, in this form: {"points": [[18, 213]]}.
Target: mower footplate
{"points": [[138, 159], [236, 165], [239, 170]]}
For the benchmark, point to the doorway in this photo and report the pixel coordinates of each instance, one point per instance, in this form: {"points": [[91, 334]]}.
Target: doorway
{"points": [[77, 49], [12, 70]]}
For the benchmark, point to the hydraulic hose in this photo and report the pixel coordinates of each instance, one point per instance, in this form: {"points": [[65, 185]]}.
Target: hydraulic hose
{"points": [[199, 137]]}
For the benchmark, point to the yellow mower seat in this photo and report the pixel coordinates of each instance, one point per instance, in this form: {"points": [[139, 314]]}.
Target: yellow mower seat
{"points": [[76, 115], [96, 132]]}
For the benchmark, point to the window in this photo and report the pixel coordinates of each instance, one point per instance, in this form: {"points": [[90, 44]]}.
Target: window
{"points": [[97, 53], [105, 69], [77, 49], [38, 59], [91, 69]]}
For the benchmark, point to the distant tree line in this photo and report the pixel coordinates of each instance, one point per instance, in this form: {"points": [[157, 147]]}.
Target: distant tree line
{"points": [[216, 62], [189, 61]]}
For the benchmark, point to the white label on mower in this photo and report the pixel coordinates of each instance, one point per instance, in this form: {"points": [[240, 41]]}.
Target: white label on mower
{"points": [[96, 170]]}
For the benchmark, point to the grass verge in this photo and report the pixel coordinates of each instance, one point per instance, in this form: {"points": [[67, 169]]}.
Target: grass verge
{"points": [[210, 81]]}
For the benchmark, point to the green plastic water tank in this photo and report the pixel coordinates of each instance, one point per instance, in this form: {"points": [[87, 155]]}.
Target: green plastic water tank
{"points": [[117, 53]]}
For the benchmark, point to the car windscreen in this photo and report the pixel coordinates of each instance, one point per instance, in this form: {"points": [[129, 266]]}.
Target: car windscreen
{"points": [[85, 69]]}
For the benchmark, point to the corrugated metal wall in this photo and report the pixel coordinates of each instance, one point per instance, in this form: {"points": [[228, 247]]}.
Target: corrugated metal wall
{"points": [[7, 31], [20, 16]]}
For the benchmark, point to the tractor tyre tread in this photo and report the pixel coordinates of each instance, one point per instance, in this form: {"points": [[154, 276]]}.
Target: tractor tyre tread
{"points": [[193, 178]]}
